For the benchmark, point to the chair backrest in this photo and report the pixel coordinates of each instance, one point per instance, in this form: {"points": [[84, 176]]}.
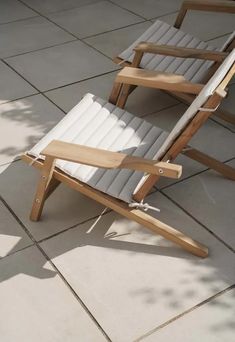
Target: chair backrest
{"points": [[199, 101]]}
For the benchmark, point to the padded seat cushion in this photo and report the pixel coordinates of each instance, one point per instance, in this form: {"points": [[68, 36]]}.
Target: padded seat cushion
{"points": [[161, 33], [95, 122]]}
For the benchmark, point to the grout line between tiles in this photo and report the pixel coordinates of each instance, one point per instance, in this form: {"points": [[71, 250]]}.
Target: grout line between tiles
{"points": [[164, 15], [37, 50], [85, 42], [208, 300], [195, 174], [198, 221], [18, 250], [17, 20], [67, 31], [128, 10], [221, 124], [75, 294], [220, 36], [108, 211], [113, 30], [37, 244], [74, 226], [69, 9], [48, 19]]}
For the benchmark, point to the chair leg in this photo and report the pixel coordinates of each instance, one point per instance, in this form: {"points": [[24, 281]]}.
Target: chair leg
{"points": [[210, 162], [169, 233], [113, 97], [124, 93], [45, 187]]}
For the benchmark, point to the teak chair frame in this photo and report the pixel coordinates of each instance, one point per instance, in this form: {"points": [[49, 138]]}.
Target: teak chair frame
{"points": [[225, 6], [51, 176]]}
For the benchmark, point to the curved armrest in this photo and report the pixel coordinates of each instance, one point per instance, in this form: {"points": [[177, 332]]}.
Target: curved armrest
{"points": [[108, 159], [157, 80], [177, 51], [227, 6]]}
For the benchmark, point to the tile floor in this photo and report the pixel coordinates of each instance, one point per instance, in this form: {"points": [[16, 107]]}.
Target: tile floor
{"points": [[82, 274]]}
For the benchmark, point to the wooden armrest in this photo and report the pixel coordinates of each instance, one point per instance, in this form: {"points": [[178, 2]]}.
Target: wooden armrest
{"points": [[108, 159], [175, 51], [227, 6], [158, 80]]}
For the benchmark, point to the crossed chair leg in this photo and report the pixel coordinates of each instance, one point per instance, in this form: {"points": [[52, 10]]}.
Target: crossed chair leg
{"points": [[210, 162], [51, 178]]}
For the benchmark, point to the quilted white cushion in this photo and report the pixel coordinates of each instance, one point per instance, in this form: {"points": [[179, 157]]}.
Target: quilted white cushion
{"points": [[95, 122], [161, 33]]}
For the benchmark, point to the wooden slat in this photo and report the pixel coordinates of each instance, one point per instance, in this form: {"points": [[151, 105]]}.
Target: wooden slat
{"points": [[183, 52], [210, 162], [136, 215], [204, 5], [108, 159], [158, 80]]}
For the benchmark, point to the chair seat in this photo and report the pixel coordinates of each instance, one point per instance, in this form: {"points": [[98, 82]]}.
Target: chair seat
{"points": [[161, 33], [95, 122]]}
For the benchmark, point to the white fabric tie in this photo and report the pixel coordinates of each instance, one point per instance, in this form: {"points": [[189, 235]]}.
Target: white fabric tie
{"points": [[209, 109], [144, 206]]}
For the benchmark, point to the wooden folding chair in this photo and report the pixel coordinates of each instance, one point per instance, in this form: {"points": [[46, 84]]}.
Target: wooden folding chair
{"points": [[115, 158], [165, 48]]}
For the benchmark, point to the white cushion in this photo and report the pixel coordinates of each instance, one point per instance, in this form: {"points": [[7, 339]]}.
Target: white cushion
{"points": [[161, 33], [95, 122]]}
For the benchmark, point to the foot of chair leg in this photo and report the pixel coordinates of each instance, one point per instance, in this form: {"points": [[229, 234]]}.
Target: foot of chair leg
{"points": [[210, 162], [45, 187], [37, 207], [170, 233]]}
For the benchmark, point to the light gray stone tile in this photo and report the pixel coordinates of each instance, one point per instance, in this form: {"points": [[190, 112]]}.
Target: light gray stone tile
{"points": [[94, 18], [64, 208], [30, 34], [61, 65], [141, 102], [114, 42], [11, 10], [213, 322], [48, 6], [132, 280], [23, 123], [204, 25], [218, 42], [12, 86], [150, 8], [209, 197], [37, 306], [12, 235]]}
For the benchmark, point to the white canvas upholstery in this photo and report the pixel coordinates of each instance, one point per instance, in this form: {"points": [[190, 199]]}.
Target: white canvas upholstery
{"points": [[161, 33], [95, 122]]}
